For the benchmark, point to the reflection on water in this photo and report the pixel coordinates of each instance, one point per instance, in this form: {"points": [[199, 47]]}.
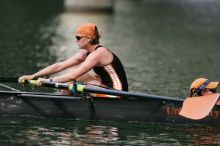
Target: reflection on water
{"points": [[91, 135], [95, 134], [209, 137], [55, 136], [23, 131], [38, 132]]}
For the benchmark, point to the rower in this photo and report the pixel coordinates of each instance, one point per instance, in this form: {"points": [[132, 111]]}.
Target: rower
{"points": [[93, 64], [203, 98], [202, 87]]}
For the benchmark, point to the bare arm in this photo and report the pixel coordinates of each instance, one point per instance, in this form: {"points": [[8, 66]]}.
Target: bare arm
{"points": [[91, 61], [57, 67]]}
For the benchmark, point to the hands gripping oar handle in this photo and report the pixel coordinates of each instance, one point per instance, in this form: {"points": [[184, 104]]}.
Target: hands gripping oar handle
{"points": [[76, 88]]}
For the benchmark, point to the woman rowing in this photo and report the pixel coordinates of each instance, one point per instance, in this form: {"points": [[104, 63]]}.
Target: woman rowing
{"points": [[202, 87], [97, 65]]}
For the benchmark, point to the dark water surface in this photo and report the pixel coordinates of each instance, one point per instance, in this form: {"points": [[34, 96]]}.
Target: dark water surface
{"points": [[164, 45], [40, 131]]}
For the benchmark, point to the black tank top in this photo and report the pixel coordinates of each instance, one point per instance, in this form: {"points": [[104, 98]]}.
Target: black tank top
{"points": [[113, 75]]}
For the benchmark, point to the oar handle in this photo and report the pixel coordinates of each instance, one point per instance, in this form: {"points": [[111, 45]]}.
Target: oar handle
{"points": [[31, 82], [49, 84], [75, 88]]}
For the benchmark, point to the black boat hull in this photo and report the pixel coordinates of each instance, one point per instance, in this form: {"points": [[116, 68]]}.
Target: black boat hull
{"points": [[124, 109]]}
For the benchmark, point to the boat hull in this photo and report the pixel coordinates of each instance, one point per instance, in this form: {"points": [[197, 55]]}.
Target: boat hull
{"points": [[124, 109]]}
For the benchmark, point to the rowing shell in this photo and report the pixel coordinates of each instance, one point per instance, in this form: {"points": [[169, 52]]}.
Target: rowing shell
{"points": [[124, 109]]}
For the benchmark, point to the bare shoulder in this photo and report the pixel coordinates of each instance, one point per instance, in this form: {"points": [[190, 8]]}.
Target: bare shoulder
{"points": [[104, 56], [103, 50]]}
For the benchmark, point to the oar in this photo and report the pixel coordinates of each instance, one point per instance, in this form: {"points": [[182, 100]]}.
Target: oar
{"points": [[8, 87], [89, 89], [12, 80], [38, 95], [198, 107]]}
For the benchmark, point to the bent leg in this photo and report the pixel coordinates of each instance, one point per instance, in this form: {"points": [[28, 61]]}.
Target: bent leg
{"points": [[91, 79], [88, 78]]}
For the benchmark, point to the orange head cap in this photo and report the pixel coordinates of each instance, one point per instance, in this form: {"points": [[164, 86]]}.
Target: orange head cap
{"points": [[87, 30], [198, 82]]}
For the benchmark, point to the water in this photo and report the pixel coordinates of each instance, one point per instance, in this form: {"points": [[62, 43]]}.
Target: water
{"points": [[40, 131], [164, 45]]}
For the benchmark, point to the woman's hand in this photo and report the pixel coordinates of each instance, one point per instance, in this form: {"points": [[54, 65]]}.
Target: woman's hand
{"points": [[24, 77], [40, 81]]}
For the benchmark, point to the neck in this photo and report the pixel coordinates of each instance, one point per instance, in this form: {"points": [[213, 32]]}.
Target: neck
{"points": [[91, 48]]}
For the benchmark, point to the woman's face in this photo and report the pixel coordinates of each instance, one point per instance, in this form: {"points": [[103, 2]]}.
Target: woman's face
{"points": [[206, 92], [82, 41]]}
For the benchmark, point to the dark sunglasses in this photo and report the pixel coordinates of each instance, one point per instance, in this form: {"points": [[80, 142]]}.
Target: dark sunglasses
{"points": [[79, 38]]}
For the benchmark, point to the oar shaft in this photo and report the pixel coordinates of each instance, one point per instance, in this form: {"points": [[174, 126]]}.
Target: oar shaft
{"points": [[37, 95], [49, 96], [127, 94], [50, 84], [57, 85]]}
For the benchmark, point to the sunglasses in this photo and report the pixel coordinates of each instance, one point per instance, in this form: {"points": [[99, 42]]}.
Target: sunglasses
{"points": [[78, 38]]}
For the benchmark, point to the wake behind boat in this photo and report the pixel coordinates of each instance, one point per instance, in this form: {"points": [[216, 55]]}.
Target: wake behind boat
{"points": [[137, 107]]}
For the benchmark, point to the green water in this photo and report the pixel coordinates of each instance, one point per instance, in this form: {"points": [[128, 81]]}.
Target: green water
{"points": [[163, 44], [40, 131]]}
